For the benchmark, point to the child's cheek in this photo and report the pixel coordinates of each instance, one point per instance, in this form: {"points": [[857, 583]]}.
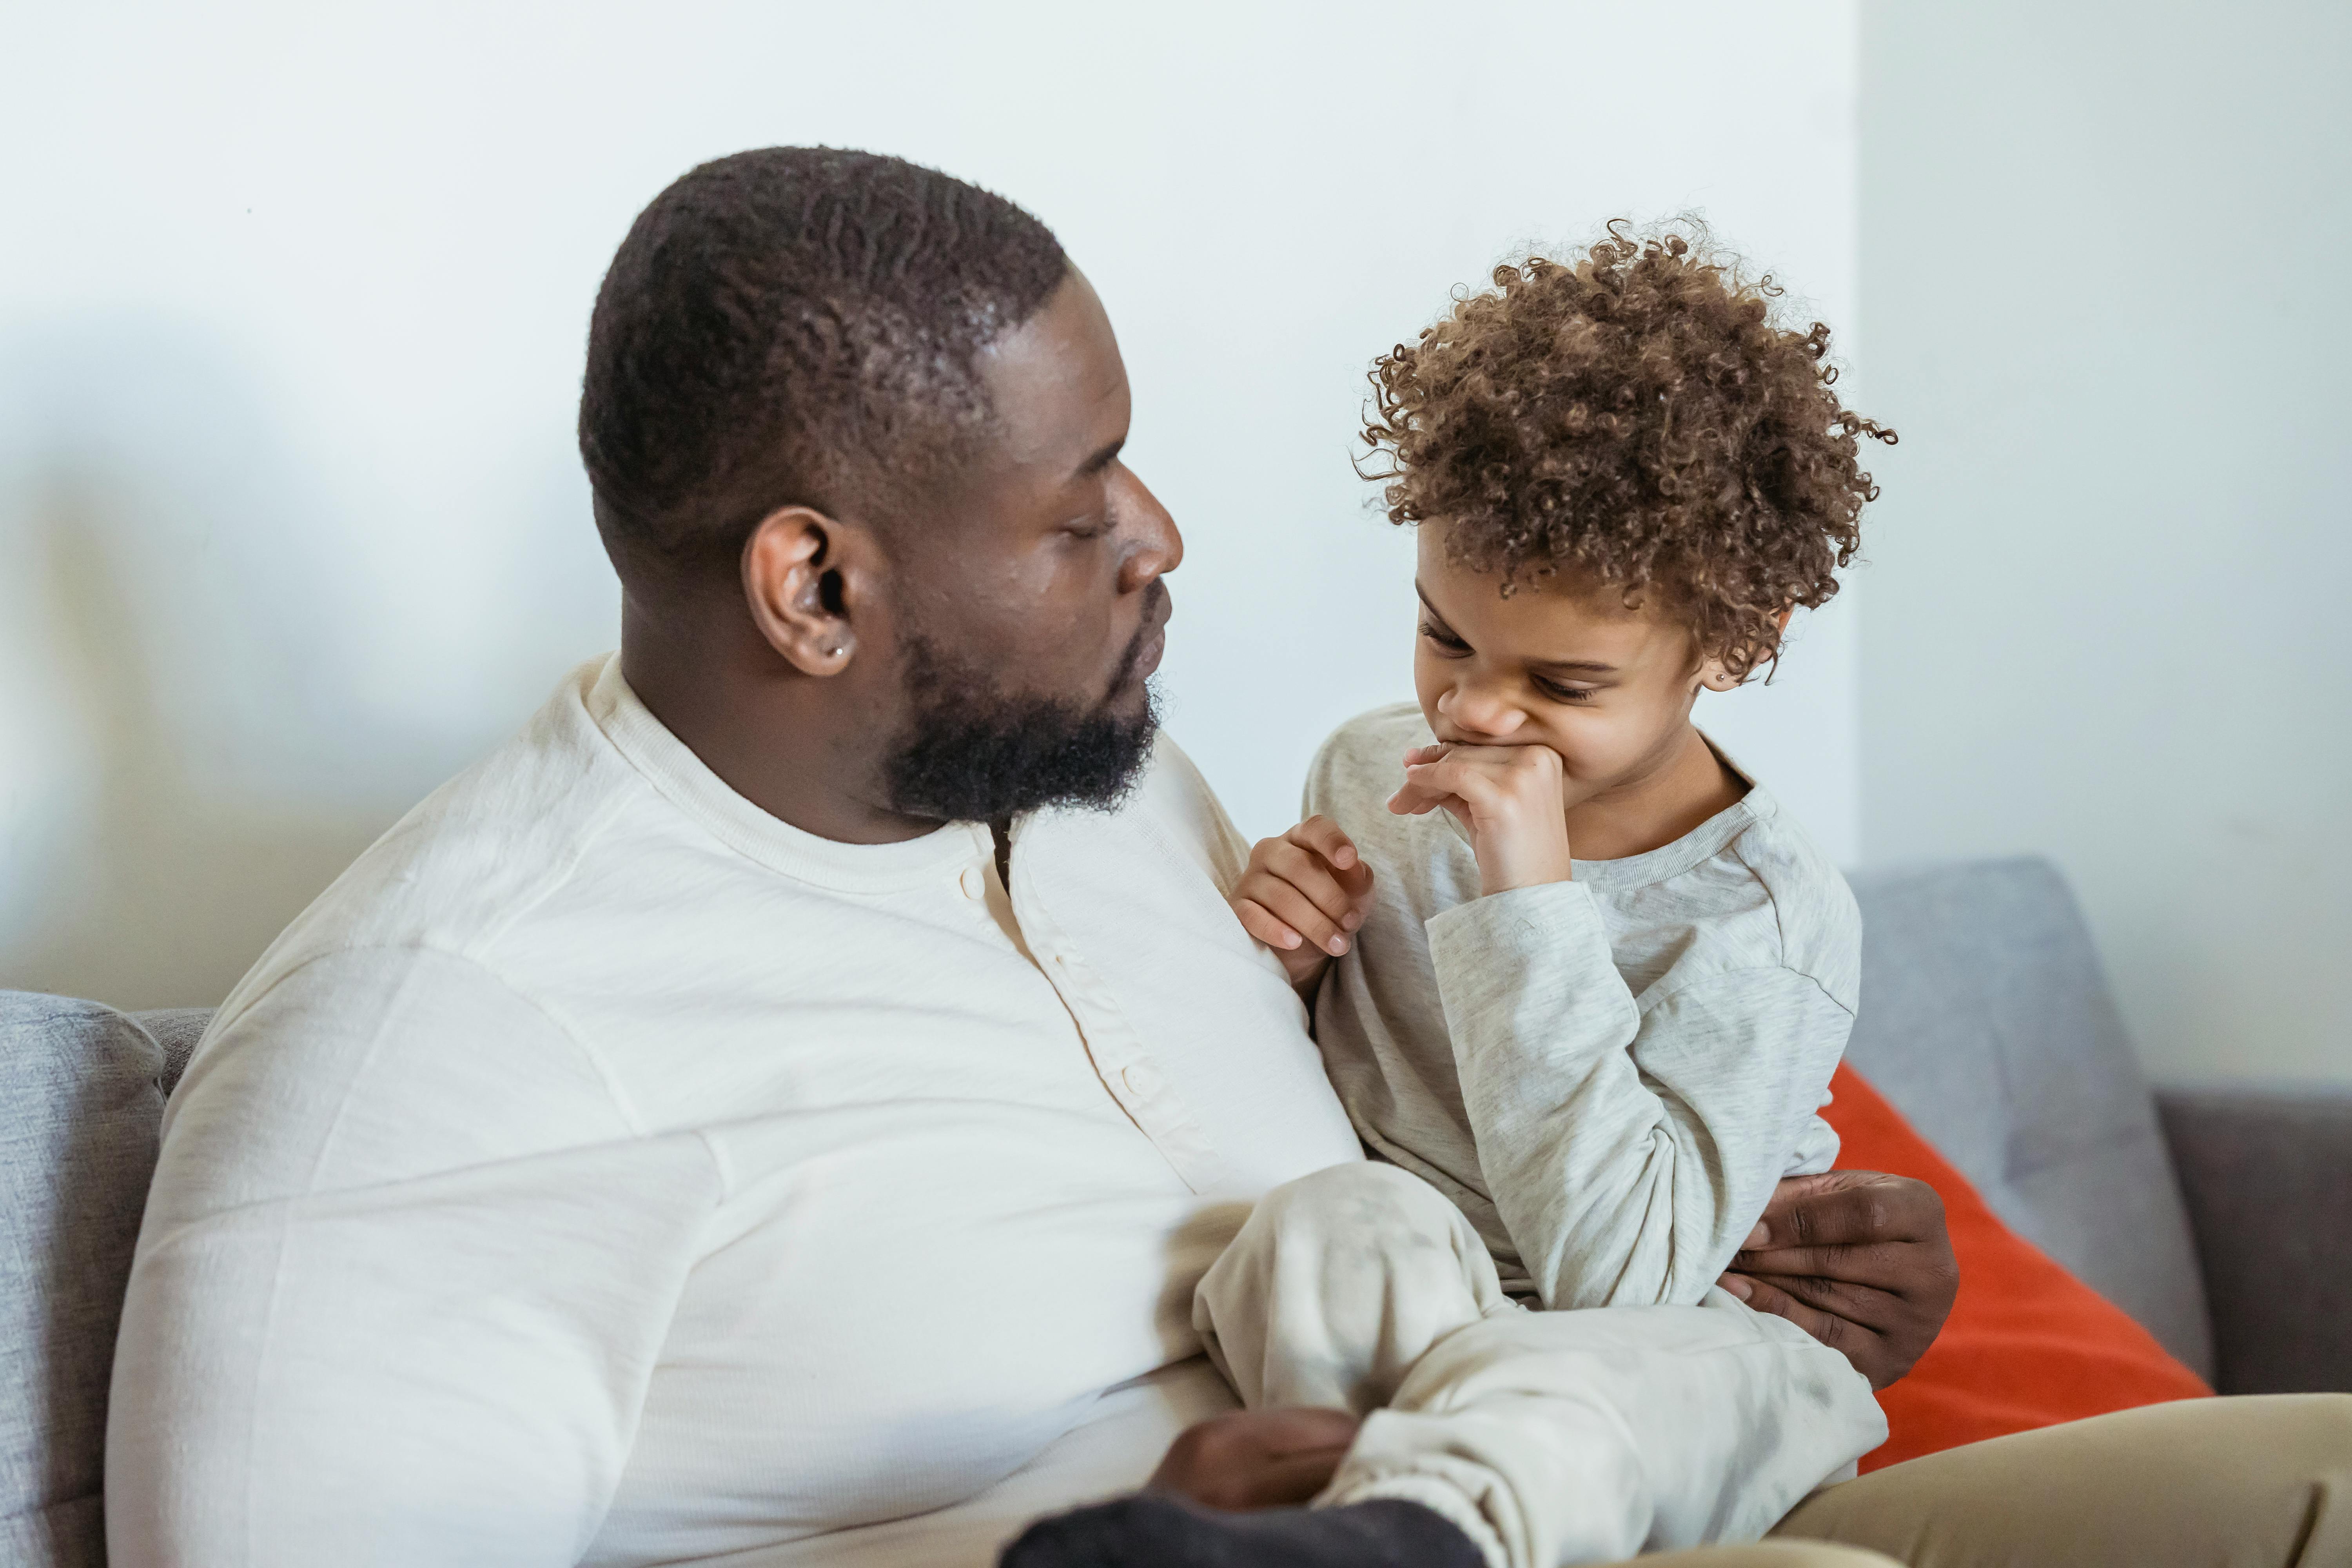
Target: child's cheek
{"points": [[1590, 746]]}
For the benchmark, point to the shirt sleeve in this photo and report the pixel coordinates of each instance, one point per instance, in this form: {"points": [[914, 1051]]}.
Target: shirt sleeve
{"points": [[1627, 1151], [401, 1280]]}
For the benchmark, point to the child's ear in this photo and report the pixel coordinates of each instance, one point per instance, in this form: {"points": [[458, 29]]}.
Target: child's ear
{"points": [[1716, 677]]}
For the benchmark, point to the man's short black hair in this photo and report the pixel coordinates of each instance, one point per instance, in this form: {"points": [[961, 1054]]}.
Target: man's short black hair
{"points": [[794, 326]]}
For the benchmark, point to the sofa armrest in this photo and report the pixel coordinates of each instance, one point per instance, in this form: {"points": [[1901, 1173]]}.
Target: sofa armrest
{"points": [[2267, 1174]]}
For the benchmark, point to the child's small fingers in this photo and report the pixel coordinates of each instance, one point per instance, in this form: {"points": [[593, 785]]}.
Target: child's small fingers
{"points": [[1452, 779], [1259, 923], [1410, 802], [1306, 872], [1322, 836], [1298, 911]]}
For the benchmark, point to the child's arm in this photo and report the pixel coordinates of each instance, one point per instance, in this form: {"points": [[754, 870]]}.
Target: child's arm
{"points": [[1627, 1153], [1302, 895]]}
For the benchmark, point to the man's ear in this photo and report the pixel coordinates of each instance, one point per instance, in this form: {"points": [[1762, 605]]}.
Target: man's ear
{"points": [[806, 575]]}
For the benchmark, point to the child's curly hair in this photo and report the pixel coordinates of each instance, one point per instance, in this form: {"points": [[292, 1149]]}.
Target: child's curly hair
{"points": [[1640, 416]]}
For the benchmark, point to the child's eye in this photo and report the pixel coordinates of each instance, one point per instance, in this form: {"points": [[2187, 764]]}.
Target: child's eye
{"points": [[1565, 693], [1443, 638]]}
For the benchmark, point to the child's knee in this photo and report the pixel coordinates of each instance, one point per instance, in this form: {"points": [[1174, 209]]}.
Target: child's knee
{"points": [[1362, 1198]]}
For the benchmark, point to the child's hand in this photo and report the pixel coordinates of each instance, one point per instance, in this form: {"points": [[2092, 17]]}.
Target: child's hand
{"points": [[1302, 894], [1513, 799]]}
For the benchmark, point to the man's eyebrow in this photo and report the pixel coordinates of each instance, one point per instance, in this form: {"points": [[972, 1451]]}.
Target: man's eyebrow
{"points": [[1100, 460]]}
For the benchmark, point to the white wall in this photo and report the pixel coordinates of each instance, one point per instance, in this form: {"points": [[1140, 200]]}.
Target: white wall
{"points": [[291, 311], [2103, 254]]}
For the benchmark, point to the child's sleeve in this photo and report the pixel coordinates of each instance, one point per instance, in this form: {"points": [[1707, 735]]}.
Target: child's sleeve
{"points": [[1628, 1150], [1817, 1149]]}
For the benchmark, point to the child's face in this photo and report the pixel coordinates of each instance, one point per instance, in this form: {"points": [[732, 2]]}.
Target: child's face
{"points": [[1558, 664]]}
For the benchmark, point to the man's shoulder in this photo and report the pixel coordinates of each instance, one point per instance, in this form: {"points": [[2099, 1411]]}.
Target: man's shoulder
{"points": [[1172, 800], [476, 856]]}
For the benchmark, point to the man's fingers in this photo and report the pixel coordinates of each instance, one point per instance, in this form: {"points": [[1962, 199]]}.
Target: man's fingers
{"points": [[1863, 1304], [1767, 1296], [1843, 1208], [1256, 1459], [1886, 1266], [1879, 1354]]}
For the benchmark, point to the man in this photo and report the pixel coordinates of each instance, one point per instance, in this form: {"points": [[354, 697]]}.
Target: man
{"points": [[761, 1114]]}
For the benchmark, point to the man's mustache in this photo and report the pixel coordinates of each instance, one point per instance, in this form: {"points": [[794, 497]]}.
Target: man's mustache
{"points": [[1157, 611]]}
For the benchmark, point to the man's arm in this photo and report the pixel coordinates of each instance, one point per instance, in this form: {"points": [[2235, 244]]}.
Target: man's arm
{"points": [[1858, 1259], [404, 1275]]}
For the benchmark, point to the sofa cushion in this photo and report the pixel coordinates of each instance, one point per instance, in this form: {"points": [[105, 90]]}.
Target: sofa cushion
{"points": [[1987, 1021], [177, 1030], [80, 1103], [2027, 1344]]}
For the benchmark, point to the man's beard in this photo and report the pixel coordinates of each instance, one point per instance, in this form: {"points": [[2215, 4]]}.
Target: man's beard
{"points": [[974, 752]]}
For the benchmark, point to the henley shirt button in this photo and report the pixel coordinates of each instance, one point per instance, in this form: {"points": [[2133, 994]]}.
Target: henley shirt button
{"points": [[974, 881], [1142, 1082]]}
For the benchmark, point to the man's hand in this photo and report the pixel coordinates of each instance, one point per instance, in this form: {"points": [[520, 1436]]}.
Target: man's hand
{"points": [[1513, 799], [1859, 1260], [1256, 1459], [1302, 894]]}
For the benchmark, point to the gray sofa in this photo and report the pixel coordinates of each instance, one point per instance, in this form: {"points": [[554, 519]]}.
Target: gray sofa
{"points": [[2214, 1217]]}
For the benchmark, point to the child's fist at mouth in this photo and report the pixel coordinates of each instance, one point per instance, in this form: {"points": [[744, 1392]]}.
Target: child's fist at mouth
{"points": [[1513, 800]]}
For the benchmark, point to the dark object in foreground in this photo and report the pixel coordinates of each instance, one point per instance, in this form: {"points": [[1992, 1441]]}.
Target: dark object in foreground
{"points": [[1152, 1530]]}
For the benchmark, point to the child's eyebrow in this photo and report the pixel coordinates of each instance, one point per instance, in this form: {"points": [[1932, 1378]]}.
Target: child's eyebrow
{"points": [[1560, 666]]}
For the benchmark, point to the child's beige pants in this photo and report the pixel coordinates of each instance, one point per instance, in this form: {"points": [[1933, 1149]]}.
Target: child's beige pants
{"points": [[1591, 1437], [1549, 1437]]}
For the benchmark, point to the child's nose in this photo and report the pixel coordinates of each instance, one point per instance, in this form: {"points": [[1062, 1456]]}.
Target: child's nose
{"points": [[1480, 713]]}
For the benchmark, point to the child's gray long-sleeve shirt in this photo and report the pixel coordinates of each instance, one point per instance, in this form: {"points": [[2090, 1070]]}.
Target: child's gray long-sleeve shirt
{"points": [[1607, 1075]]}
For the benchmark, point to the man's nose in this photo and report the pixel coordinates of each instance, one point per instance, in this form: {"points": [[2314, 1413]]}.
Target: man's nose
{"points": [[1154, 548]]}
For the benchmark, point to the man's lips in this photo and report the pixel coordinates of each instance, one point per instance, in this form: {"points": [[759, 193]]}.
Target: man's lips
{"points": [[1151, 641]]}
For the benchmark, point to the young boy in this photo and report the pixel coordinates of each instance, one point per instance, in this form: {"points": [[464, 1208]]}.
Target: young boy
{"points": [[1570, 965]]}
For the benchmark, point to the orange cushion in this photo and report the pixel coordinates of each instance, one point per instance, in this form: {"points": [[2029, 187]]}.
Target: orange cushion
{"points": [[2027, 1344]]}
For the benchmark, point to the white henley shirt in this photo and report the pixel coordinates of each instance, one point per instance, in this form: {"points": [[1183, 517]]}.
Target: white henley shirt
{"points": [[603, 1171]]}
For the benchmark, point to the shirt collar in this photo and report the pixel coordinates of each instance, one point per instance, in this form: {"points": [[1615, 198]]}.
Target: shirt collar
{"points": [[684, 780]]}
